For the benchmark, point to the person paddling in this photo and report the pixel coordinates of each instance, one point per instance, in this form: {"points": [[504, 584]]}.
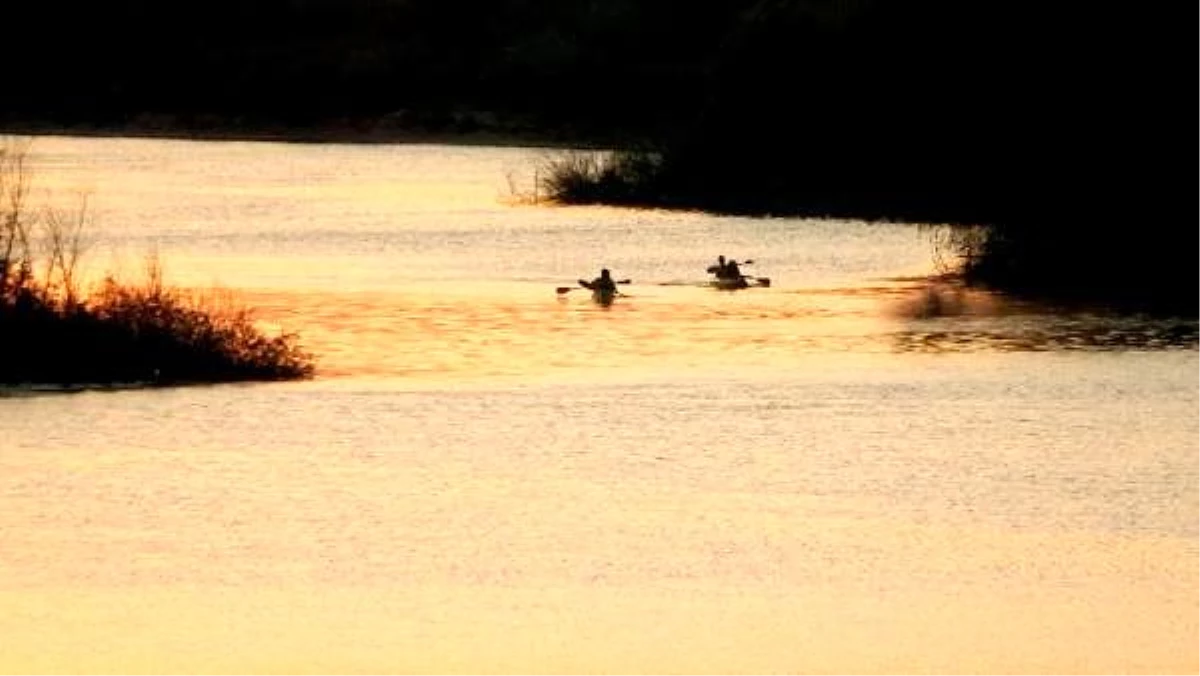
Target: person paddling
{"points": [[732, 271], [726, 269], [603, 284], [604, 287]]}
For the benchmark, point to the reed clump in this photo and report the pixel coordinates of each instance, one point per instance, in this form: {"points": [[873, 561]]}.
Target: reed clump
{"points": [[54, 331], [126, 335], [1144, 269], [145, 334], [599, 177]]}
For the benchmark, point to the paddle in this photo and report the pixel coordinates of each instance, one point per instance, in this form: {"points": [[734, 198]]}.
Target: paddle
{"points": [[584, 284], [713, 269]]}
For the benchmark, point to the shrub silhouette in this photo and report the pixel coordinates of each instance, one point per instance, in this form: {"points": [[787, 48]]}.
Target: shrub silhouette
{"points": [[148, 334]]}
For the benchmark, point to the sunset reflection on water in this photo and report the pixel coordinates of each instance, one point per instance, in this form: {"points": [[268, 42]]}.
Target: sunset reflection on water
{"points": [[528, 331], [859, 469], [464, 332]]}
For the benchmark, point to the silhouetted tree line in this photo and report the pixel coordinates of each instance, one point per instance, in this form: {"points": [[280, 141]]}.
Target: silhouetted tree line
{"points": [[834, 93], [587, 64], [1037, 117], [981, 110]]}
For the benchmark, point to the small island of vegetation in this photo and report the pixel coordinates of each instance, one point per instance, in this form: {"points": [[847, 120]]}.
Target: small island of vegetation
{"points": [[52, 332]]}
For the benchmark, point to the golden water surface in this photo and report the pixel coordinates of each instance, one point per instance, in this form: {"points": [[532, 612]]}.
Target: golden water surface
{"points": [[850, 471]]}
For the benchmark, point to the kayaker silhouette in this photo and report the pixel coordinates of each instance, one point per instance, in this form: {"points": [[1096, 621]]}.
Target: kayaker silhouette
{"points": [[604, 287], [604, 283], [726, 269], [732, 271]]}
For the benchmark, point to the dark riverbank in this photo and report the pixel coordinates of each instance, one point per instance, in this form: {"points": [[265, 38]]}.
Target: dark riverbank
{"points": [[361, 131], [1041, 123]]}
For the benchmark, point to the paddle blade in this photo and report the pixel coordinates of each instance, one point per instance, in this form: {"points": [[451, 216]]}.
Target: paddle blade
{"points": [[764, 281], [563, 289]]}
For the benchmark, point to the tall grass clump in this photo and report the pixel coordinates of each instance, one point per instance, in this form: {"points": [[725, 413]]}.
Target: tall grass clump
{"points": [[1142, 268], [599, 177], [54, 331]]}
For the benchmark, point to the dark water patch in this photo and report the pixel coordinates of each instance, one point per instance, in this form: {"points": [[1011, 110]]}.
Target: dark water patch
{"points": [[1043, 334]]}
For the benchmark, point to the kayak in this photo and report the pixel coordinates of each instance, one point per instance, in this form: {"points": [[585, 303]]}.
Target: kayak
{"points": [[603, 297], [732, 284], [728, 284]]}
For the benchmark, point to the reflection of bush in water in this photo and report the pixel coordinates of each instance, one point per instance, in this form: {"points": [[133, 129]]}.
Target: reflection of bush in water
{"points": [[1048, 333], [942, 299], [986, 320]]}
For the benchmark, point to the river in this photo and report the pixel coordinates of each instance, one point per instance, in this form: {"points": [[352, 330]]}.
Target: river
{"points": [[850, 470]]}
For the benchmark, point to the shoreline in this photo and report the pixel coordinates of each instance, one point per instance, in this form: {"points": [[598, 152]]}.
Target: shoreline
{"points": [[1153, 300], [348, 134]]}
